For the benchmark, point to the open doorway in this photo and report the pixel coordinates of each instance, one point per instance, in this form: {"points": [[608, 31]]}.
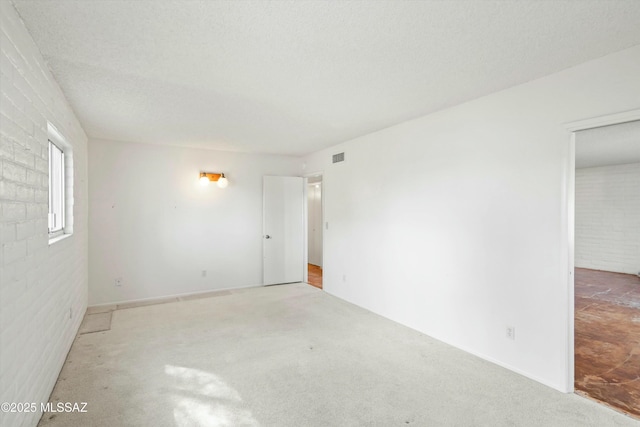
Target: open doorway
{"points": [[607, 265], [314, 230]]}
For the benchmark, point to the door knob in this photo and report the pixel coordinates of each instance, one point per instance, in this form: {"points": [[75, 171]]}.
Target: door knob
{"points": [[267, 237]]}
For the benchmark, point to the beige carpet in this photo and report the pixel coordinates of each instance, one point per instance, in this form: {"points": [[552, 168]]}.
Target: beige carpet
{"points": [[293, 355]]}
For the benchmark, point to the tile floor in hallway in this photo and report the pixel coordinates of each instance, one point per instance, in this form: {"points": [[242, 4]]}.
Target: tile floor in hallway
{"points": [[607, 338], [315, 276]]}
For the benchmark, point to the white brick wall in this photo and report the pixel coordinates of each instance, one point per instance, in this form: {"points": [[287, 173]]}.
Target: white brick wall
{"points": [[39, 284], [608, 218]]}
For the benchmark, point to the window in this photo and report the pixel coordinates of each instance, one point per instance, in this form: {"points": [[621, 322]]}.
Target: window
{"points": [[60, 215], [56, 190]]}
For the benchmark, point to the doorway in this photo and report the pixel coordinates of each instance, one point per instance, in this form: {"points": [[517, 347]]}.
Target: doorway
{"points": [[314, 231], [606, 263]]}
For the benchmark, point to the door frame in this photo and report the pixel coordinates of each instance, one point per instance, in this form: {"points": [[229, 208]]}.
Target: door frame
{"points": [[305, 257], [568, 219]]}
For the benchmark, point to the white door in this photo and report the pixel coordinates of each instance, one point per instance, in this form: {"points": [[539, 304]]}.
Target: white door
{"points": [[283, 229]]}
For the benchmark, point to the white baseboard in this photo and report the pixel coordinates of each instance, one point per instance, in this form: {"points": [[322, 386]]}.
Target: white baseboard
{"points": [[168, 297]]}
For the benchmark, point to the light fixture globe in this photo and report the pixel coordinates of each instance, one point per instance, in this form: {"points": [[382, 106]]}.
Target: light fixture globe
{"points": [[204, 179], [223, 181]]}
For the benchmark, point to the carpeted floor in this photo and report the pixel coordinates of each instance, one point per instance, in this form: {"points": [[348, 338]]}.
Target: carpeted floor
{"points": [[293, 355]]}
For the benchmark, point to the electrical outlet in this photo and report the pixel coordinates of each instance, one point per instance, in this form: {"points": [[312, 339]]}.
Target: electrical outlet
{"points": [[344, 277], [511, 332], [204, 273], [70, 313], [118, 281]]}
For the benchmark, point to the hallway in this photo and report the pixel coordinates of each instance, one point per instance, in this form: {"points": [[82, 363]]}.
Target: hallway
{"points": [[315, 276]]}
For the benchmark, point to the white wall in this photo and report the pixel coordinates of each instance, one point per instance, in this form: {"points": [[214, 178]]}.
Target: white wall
{"points": [[314, 223], [467, 230], [156, 227], [40, 285], [608, 218]]}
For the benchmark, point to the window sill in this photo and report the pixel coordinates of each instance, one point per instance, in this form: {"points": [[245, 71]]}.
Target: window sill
{"points": [[58, 238]]}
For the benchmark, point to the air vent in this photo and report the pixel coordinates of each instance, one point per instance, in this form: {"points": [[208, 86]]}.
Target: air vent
{"points": [[338, 157]]}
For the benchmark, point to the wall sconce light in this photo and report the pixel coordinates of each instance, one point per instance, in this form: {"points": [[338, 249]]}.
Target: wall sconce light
{"points": [[206, 177]]}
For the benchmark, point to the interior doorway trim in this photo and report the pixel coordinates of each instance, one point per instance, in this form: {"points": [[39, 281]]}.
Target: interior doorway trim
{"points": [[568, 220]]}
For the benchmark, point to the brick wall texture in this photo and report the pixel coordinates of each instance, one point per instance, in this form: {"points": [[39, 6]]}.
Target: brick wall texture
{"points": [[43, 288], [608, 218]]}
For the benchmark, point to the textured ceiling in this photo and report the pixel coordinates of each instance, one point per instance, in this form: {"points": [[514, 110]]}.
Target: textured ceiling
{"points": [[294, 77], [608, 145]]}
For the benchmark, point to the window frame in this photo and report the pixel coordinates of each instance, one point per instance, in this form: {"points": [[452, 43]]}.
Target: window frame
{"points": [[66, 178], [57, 231]]}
